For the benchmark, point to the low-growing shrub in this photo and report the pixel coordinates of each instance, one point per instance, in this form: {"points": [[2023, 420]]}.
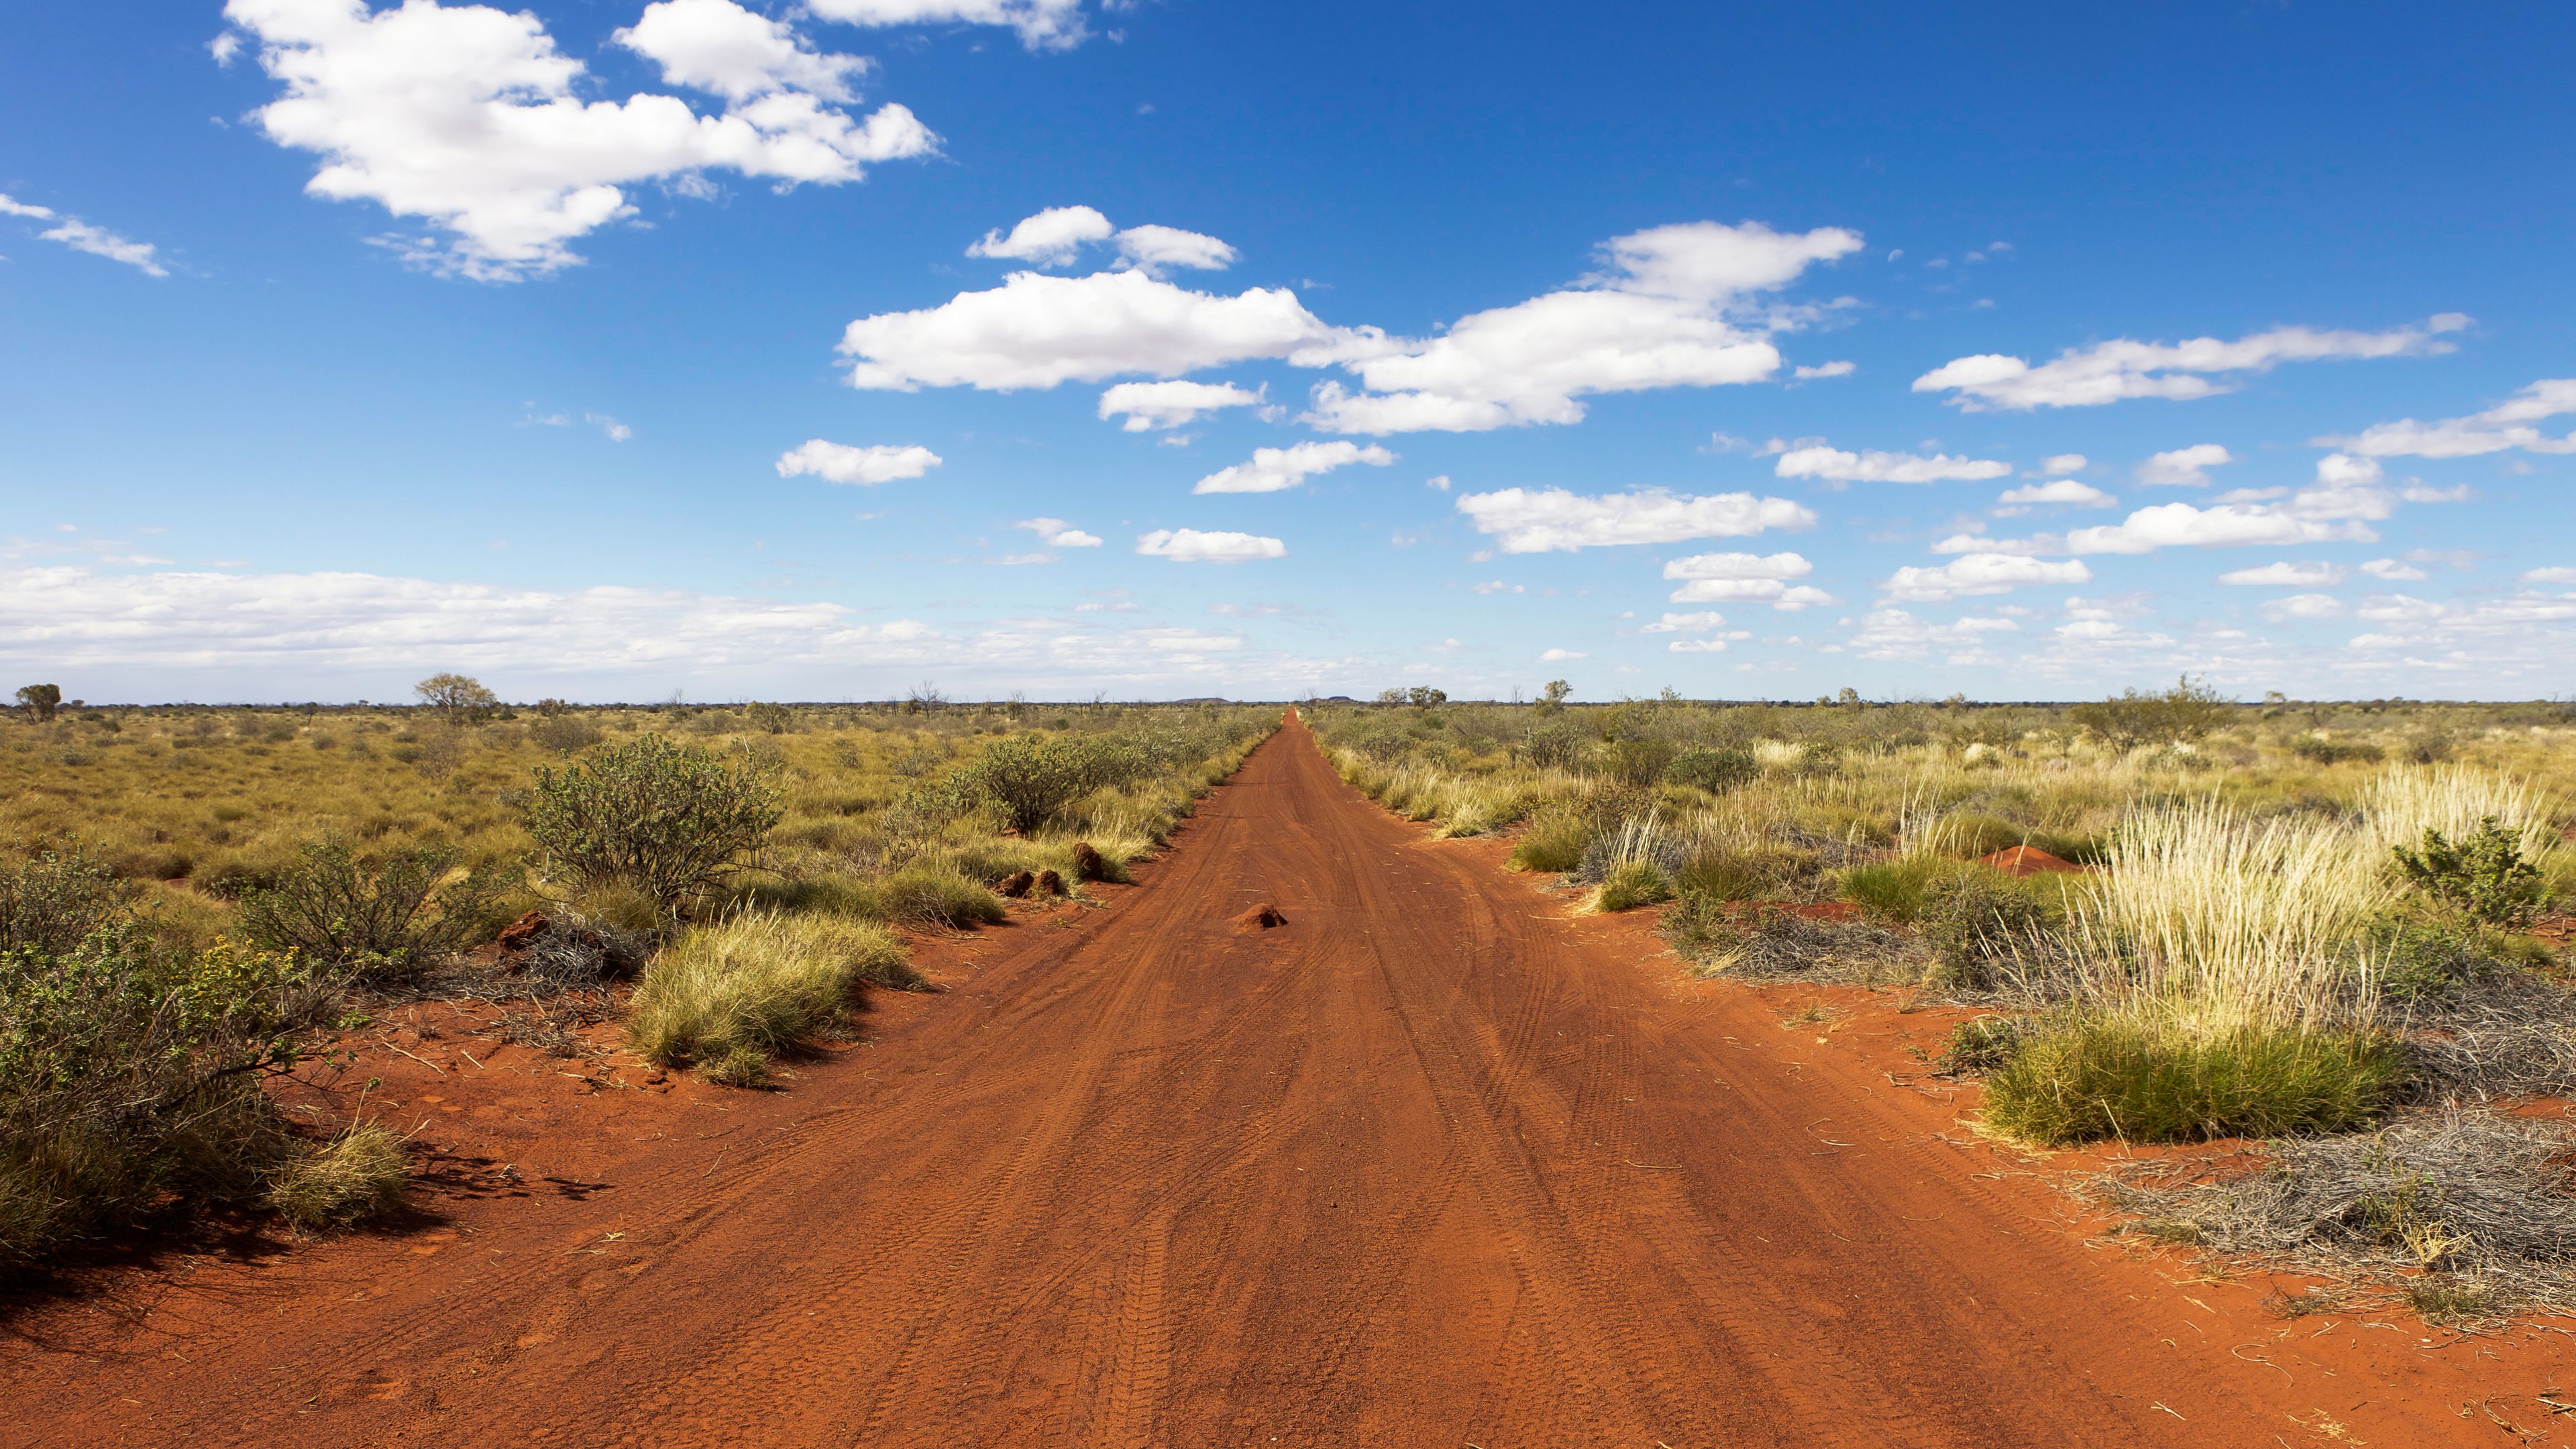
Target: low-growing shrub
{"points": [[1033, 778], [129, 1080], [1896, 889], [734, 996], [1728, 875], [2106, 1076], [1637, 762], [2484, 874], [2185, 712], [1716, 771], [1974, 919], [2414, 960], [931, 892], [2318, 750], [670, 819], [1980, 1044], [385, 918], [51, 903], [1556, 839]]}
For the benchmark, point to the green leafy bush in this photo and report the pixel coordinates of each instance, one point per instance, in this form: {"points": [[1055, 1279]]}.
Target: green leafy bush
{"points": [[668, 818], [387, 918], [2416, 960], [1556, 744], [2318, 750], [1716, 771], [1981, 1044], [129, 1077], [51, 903], [1973, 919], [1033, 777], [2185, 712], [1637, 761], [2100, 1077], [2483, 875]]}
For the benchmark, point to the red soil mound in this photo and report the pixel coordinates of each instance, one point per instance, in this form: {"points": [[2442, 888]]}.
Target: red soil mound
{"points": [[1260, 918], [2023, 860], [519, 933], [1049, 883], [1017, 884], [1087, 864]]}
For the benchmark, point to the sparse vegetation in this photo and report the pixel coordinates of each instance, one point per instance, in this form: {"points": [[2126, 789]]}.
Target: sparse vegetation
{"points": [[669, 819], [383, 919], [730, 998]]}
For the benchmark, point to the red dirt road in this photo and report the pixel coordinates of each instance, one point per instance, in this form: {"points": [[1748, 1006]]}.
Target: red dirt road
{"points": [[1427, 1165]]}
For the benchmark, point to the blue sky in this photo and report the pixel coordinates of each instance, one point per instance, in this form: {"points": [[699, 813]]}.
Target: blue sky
{"points": [[752, 350]]}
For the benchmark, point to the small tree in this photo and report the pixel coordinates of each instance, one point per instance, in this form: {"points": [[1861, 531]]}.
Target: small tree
{"points": [[1555, 693], [1033, 777], [2185, 712], [669, 819], [1423, 696], [2483, 874], [458, 699], [40, 700]]}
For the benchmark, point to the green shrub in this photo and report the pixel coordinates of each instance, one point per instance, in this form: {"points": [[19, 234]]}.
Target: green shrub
{"points": [[2318, 750], [51, 903], [935, 893], [1819, 758], [1631, 884], [1896, 889], [671, 819], [1556, 839], [734, 996], [2102, 1077], [1637, 763], [1033, 778], [1556, 744], [1973, 919], [2483, 875], [2417, 960], [1979, 1045], [357, 1176], [387, 918], [1727, 875], [1716, 771], [2185, 712], [129, 1078]]}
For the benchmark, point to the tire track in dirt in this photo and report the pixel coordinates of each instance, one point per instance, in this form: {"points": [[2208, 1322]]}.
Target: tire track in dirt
{"points": [[1428, 1165]]}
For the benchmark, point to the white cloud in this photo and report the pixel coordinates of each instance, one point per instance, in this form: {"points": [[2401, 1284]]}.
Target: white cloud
{"points": [[1745, 578], [1669, 309], [2110, 371], [1559, 656], [1057, 533], [1699, 623], [2393, 571], [2063, 490], [2546, 576], [1835, 466], [1541, 520], [1982, 573], [2504, 426], [467, 116], [80, 236], [1830, 369], [1041, 24], [2184, 467], [2288, 575], [1895, 634], [1038, 331], [719, 47], [1149, 405], [1154, 247], [2031, 547], [1273, 469], [1051, 238], [2303, 606], [1497, 586], [841, 463], [1189, 545], [2063, 463], [2224, 525]]}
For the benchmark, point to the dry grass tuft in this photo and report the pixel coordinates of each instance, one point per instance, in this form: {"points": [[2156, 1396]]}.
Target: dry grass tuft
{"points": [[732, 997], [358, 1176]]}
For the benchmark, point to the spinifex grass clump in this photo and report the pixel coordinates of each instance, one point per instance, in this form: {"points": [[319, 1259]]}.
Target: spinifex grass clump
{"points": [[730, 998], [2131, 1077]]}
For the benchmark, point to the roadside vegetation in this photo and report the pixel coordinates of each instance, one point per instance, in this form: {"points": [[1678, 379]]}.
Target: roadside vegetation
{"points": [[193, 901], [2341, 927]]}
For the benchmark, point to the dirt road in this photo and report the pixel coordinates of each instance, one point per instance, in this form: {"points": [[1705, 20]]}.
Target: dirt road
{"points": [[1427, 1166]]}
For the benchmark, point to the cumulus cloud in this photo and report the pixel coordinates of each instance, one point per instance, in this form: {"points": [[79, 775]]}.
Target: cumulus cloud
{"points": [[1056, 533], [80, 236], [1189, 545], [2031, 547], [866, 467], [1830, 369], [2063, 490], [1273, 469], [2288, 575], [1051, 238], [1038, 331], [2224, 525], [1672, 307], [2303, 606], [2505, 426], [1041, 24], [1745, 578], [1699, 623], [467, 117], [1895, 634], [1832, 465], [2183, 467], [1559, 656], [1668, 308], [2110, 371], [1981, 573], [1150, 405], [2392, 571], [2063, 463], [2545, 576], [1542, 520]]}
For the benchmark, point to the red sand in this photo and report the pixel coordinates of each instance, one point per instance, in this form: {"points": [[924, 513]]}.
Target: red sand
{"points": [[2026, 860]]}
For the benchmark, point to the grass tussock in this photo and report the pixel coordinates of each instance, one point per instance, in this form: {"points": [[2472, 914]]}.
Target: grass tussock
{"points": [[731, 998], [2116, 1077], [357, 1176]]}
